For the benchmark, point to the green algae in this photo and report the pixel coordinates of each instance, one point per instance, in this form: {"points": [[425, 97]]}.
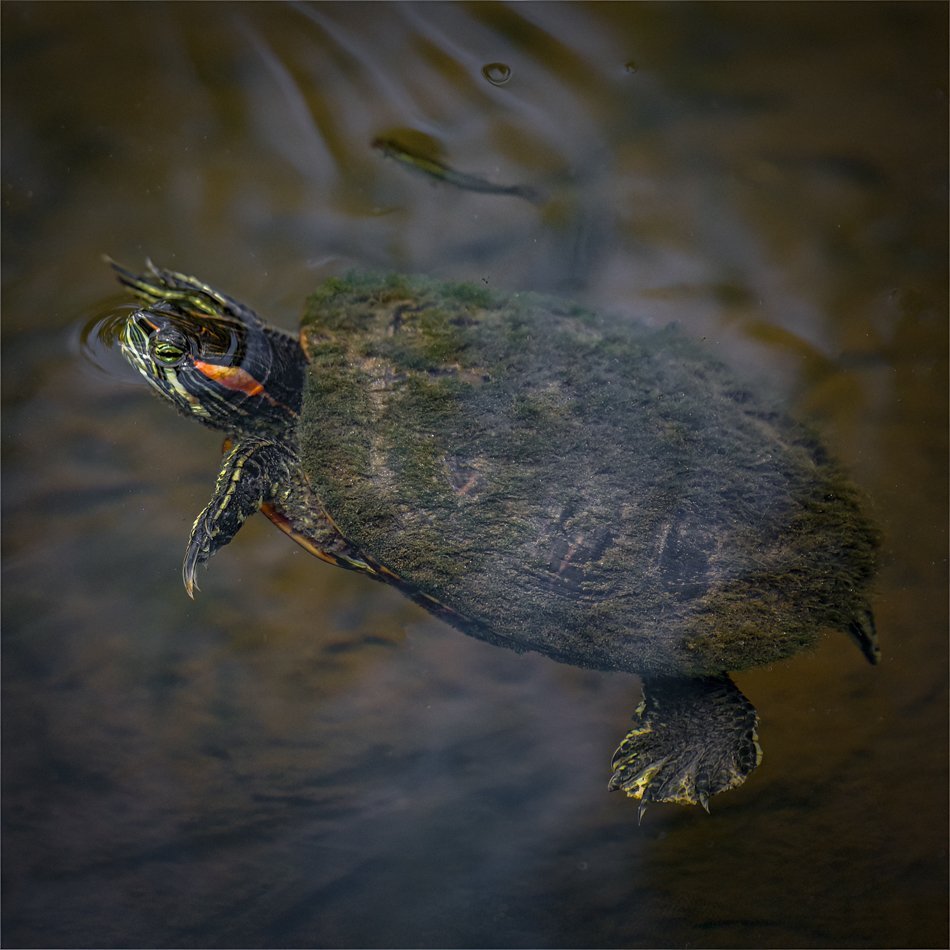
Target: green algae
{"points": [[566, 482]]}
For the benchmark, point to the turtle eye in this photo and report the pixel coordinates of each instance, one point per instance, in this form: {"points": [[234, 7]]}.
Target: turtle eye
{"points": [[169, 347]]}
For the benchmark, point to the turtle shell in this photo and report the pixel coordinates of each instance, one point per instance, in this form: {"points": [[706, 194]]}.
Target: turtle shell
{"points": [[580, 485]]}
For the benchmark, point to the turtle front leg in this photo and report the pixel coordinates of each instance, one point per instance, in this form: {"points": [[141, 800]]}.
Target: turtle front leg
{"points": [[261, 475], [250, 473]]}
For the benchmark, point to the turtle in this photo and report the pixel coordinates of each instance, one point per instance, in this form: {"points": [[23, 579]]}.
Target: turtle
{"points": [[536, 474]]}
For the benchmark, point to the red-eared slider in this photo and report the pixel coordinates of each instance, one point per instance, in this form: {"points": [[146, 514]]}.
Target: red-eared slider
{"points": [[539, 476]]}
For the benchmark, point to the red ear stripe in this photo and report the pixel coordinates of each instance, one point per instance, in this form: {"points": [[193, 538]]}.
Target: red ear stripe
{"points": [[238, 380], [232, 377]]}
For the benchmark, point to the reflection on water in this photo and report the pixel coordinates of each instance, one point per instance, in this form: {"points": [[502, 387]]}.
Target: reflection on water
{"points": [[98, 338], [299, 760], [423, 157]]}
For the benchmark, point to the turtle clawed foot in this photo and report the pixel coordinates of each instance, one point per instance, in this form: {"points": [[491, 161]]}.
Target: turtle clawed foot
{"points": [[692, 739], [200, 548]]}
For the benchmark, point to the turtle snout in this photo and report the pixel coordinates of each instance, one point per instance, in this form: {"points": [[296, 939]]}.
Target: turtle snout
{"points": [[135, 333]]}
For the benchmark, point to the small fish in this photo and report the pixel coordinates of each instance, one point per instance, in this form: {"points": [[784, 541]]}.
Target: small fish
{"points": [[432, 167]]}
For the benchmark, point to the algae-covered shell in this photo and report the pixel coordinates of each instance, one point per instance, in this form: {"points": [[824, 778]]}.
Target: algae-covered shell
{"points": [[602, 492]]}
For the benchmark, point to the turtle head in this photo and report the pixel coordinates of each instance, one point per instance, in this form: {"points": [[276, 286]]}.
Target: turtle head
{"points": [[212, 358]]}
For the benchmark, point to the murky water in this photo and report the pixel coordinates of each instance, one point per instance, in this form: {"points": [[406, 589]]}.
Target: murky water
{"points": [[301, 758]]}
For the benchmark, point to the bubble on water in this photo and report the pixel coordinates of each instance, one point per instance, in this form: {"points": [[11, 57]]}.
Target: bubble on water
{"points": [[630, 66], [496, 73]]}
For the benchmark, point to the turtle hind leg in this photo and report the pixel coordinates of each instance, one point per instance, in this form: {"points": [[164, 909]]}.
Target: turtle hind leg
{"points": [[692, 738]]}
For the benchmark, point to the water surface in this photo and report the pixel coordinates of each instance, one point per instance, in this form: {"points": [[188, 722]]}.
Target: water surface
{"points": [[302, 758]]}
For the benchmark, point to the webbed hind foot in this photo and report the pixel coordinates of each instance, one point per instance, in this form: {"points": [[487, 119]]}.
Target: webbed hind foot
{"points": [[692, 738]]}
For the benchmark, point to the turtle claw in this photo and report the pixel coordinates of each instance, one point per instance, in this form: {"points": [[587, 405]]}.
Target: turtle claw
{"points": [[201, 546], [191, 585], [193, 557]]}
